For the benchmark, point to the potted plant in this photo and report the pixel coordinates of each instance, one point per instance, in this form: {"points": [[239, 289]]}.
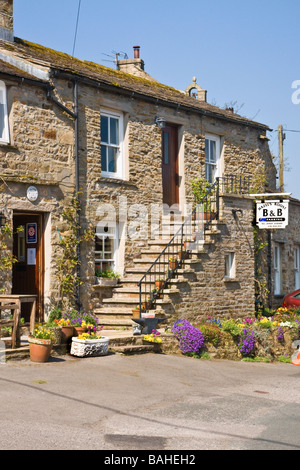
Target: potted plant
{"points": [[153, 339], [172, 262], [40, 344], [67, 330], [80, 322], [136, 312], [107, 278], [159, 283], [55, 315], [200, 187], [89, 344]]}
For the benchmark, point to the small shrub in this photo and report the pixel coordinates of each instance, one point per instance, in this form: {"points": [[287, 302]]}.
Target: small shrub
{"points": [[190, 338], [212, 333], [231, 327], [246, 342]]}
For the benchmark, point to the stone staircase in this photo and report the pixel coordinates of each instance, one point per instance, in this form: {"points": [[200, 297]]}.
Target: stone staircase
{"points": [[116, 312]]}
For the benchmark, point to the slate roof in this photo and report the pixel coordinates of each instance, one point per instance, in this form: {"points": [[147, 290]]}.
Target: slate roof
{"points": [[58, 61]]}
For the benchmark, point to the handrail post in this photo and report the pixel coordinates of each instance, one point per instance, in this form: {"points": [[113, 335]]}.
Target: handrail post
{"points": [[218, 197]]}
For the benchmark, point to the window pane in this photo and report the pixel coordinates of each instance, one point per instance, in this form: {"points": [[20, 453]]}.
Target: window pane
{"points": [[104, 129], [206, 150], [103, 158], [114, 131], [212, 151], [112, 159]]}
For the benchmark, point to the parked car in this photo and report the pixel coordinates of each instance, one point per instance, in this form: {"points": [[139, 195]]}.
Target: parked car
{"points": [[292, 299]]}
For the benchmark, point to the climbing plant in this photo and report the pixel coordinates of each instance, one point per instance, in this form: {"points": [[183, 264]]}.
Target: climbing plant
{"points": [[68, 261]]}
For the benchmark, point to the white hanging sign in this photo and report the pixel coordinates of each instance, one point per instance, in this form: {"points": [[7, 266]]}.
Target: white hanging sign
{"points": [[272, 214]]}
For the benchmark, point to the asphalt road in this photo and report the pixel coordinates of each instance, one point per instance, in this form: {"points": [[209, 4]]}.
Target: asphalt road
{"points": [[149, 402]]}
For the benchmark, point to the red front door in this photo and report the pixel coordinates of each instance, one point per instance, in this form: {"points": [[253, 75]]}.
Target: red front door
{"points": [[28, 268], [170, 176]]}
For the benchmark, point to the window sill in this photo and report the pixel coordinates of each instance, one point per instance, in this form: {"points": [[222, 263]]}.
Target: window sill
{"points": [[7, 146], [230, 279], [109, 179]]}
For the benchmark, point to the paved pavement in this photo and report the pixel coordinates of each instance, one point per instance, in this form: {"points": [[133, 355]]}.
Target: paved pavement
{"points": [[149, 402]]}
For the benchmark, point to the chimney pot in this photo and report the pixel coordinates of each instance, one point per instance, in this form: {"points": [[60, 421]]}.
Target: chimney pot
{"points": [[136, 52]]}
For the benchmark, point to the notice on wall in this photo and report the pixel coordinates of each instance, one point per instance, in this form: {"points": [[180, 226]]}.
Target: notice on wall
{"points": [[272, 214], [31, 256]]}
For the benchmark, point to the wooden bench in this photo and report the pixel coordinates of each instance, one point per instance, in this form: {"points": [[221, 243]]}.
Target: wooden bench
{"points": [[14, 302]]}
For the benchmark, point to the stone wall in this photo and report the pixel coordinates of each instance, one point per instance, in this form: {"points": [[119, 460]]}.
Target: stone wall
{"points": [[208, 292], [42, 152]]}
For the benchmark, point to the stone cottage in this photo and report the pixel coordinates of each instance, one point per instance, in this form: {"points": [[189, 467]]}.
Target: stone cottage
{"points": [[129, 148]]}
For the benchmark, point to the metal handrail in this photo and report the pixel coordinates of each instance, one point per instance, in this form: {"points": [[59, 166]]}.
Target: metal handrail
{"points": [[178, 240]]}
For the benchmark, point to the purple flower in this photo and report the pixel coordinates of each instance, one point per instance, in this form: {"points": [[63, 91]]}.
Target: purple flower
{"points": [[190, 338], [246, 342], [280, 335]]}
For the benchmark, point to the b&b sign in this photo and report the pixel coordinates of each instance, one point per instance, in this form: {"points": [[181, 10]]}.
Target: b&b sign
{"points": [[272, 214]]}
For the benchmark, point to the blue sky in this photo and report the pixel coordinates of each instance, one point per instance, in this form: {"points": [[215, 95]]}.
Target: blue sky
{"points": [[241, 51]]}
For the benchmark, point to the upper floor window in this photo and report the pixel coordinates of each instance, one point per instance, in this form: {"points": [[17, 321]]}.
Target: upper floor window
{"points": [[4, 132], [111, 144], [212, 157]]}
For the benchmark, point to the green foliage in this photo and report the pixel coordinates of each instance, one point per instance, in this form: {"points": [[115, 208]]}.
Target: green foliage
{"points": [[230, 326], [200, 187], [212, 333], [55, 314], [67, 261], [108, 274], [6, 257]]}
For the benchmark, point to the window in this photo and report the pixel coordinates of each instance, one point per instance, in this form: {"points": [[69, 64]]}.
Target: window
{"points": [[277, 269], [106, 248], [297, 267], [111, 145], [230, 266], [4, 132], [212, 156]]}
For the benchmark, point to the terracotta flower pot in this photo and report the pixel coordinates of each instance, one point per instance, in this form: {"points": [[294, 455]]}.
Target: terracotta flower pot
{"points": [[159, 284], [40, 349], [172, 265], [66, 334], [78, 330]]}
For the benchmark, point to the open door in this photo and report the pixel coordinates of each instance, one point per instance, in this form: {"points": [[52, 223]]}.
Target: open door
{"points": [[29, 268]]}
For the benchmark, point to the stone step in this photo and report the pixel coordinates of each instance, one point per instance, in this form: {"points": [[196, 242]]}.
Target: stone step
{"points": [[112, 324], [133, 349], [134, 292]]}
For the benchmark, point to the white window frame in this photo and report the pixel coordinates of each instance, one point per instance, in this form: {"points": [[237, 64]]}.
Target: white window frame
{"points": [[113, 234], [230, 265], [5, 135], [214, 163], [297, 267], [277, 269], [119, 174]]}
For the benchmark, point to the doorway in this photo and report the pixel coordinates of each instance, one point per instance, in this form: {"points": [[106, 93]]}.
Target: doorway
{"points": [[28, 270], [170, 176]]}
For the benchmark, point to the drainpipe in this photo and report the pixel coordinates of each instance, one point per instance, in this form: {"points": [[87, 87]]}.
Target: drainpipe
{"points": [[74, 115], [77, 180]]}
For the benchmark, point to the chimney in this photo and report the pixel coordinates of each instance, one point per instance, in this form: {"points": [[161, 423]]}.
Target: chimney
{"points": [[6, 20], [134, 66]]}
